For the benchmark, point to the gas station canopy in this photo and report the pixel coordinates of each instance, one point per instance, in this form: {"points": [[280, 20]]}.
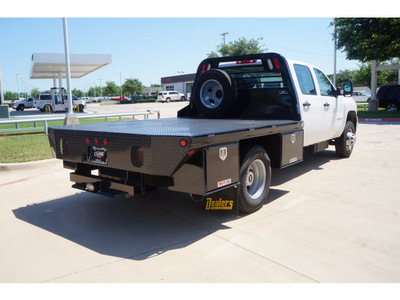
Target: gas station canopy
{"points": [[52, 65]]}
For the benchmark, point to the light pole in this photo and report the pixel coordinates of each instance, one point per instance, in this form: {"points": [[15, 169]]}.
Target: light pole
{"points": [[120, 81], [1, 90], [22, 87], [17, 86], [183, 84], [334, 56], [94, 88], [101, 90], [224, 34]]}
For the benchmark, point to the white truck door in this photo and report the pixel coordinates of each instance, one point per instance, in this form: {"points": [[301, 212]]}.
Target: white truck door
{"points": [[327, 96], [310, 103]]}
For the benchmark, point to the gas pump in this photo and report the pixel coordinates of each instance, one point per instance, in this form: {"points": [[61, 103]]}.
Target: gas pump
{"points": [[57, 99]]}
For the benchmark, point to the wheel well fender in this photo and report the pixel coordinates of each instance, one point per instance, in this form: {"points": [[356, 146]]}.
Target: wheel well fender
{"points": [[352, 116], [271, 144]]}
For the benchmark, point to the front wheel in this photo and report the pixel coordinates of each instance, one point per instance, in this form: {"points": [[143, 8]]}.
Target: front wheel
{"points": [[255, 180], [344, 145], [168, 100], [21, 107]]}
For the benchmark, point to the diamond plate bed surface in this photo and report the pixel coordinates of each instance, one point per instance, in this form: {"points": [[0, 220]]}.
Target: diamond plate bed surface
{"points": [[177, 126]]}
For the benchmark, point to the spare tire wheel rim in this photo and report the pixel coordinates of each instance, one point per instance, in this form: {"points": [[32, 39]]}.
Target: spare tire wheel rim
{"points": [[211, 93]]}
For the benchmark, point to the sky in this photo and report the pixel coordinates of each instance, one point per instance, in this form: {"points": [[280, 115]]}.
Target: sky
{"points": [[151, 48], [146, 43]]}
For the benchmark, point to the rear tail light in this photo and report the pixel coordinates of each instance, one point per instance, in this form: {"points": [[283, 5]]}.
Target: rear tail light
{"points": [[64, 146], [277, 63], [137, 156]]}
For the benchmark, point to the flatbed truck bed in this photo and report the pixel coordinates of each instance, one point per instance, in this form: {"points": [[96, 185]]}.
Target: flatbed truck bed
{"points": [[246, 115]]}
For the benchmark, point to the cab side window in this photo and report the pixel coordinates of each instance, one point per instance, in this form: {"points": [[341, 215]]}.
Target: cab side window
{"points": [[325, 87], [305, 80]]}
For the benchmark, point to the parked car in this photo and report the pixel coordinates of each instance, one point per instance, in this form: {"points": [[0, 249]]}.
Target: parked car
{"points": [[361, 97], [389, 97], [119, 98], [22, 104], [168, 96]]}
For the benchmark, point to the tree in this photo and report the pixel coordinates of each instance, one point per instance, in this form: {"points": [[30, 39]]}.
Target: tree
{"points": [[342, 76], [77, 93], [239, 47], [10, 96], [132, 87], [368, 39], [34, 92], [363, 75], [111, 89]]}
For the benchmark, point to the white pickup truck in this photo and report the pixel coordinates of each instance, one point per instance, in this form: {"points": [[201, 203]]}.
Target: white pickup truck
{"points": [[246, 114], [20, 105]]}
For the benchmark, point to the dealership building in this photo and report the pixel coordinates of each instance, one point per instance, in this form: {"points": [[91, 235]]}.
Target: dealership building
{"points": [[180, 83]]}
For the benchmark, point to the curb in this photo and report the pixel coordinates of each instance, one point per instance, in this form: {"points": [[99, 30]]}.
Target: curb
{"points": [[379, 120], [29, 165]]}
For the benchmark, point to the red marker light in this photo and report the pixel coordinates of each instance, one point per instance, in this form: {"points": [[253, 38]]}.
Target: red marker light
{"points": [[239, 62], [105, 142], [277, 63], [96, 141], [191, 152], [183, 143], [87, 141], [203, 69]]}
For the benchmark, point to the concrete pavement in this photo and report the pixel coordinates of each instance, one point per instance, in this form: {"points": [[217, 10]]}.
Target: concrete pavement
{"points": [[327, 220]]}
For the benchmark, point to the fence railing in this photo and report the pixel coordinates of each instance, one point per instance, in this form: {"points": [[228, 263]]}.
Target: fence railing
{"points": [[46, 120], [365, 104]]}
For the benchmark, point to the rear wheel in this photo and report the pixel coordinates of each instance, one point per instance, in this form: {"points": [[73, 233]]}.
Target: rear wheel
{"points": [[21, 107], [393, 106], [168, 100], [255, 180], [81, 107], [345, 143]]}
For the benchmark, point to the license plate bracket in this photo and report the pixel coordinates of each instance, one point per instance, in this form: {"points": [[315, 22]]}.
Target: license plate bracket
{"points": [[98, 155]]}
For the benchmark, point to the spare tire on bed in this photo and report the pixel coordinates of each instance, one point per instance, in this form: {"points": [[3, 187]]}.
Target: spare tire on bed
{"points": [[215, 94]]}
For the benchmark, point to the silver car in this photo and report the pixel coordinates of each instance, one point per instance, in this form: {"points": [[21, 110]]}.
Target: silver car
{"points": [[361, 97]]}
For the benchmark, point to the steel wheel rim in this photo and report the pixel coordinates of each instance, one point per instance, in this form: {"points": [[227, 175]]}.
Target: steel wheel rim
{"points": [[256, 177], [391, 107], [211, 93], [350, 140]]}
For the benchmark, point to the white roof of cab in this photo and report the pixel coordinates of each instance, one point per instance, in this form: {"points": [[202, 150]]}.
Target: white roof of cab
{"points": [[52, 65]]}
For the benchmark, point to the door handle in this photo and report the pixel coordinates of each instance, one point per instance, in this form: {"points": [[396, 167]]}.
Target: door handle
{"points": [[306, 104], [327, 105]]}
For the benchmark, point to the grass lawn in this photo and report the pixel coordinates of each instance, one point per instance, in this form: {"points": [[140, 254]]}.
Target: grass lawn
{"points": [[54, 123], [380, 114], [14, 149], [24, 148]]}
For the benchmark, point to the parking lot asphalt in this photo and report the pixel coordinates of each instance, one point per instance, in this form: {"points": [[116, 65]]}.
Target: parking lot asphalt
{"points": [[327, 220]]}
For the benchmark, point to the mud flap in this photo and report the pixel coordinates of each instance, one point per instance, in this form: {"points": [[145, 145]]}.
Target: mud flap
{"points": [[226, 199]]}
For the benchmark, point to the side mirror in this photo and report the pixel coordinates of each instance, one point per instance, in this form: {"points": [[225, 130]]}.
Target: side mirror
{"points": [[348, 88]]}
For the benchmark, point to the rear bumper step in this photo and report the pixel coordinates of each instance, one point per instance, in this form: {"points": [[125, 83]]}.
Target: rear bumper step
{"points": [[101, 184]]}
